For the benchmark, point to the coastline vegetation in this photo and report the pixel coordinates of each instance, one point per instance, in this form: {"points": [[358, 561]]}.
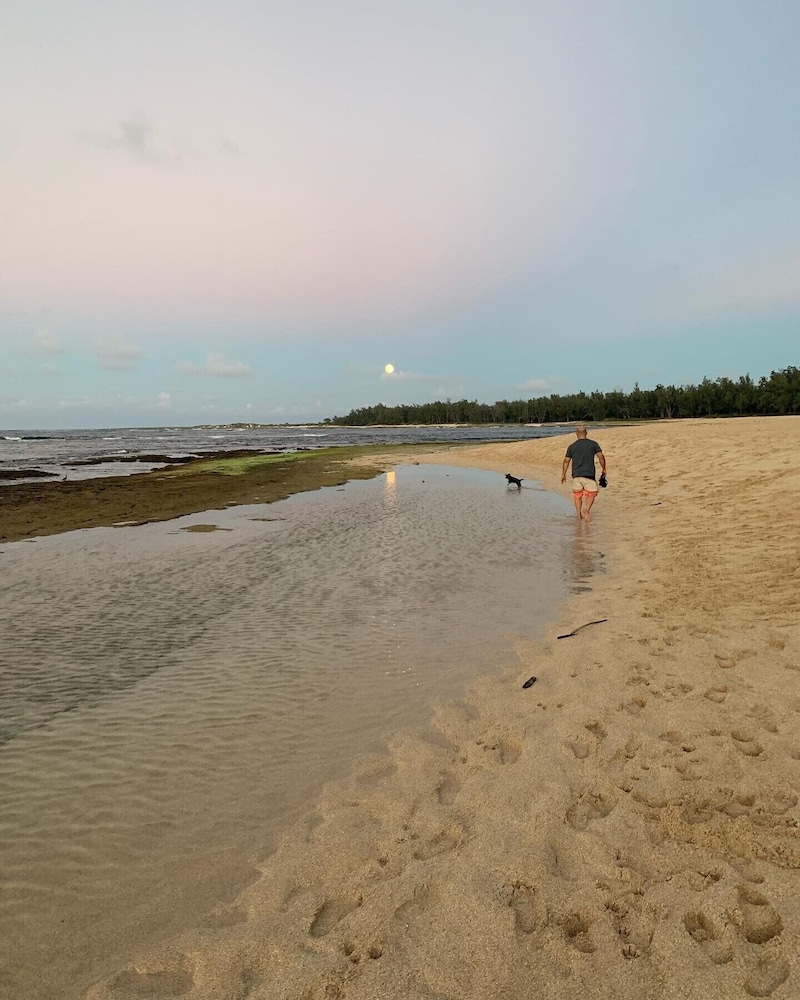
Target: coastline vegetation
{"points": [[775, 394]]}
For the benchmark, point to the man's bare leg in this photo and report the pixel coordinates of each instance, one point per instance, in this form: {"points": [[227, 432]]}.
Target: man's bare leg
{"points": [[588, 500], [577, 497]]}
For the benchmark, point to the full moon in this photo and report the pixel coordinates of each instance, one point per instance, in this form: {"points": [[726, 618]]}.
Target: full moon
{"points": [[388, 369]]}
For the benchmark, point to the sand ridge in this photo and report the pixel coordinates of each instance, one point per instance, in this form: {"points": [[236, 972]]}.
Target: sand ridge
{"points": [[625, 827]]}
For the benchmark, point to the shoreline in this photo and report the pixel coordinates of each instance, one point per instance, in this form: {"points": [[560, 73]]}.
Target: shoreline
{"points": [[626, 827]]}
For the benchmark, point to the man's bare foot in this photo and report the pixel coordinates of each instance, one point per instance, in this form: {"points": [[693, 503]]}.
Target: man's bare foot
{"points": [[586, 516]]}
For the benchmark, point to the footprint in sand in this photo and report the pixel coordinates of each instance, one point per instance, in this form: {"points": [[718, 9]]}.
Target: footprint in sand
{"points": [[762, 717], [596, 728], [578, 746], [634, 925], [653, 798], [739, 805], [416, 908], [687, 770], [374, 774], [700, 811], [331, 912], [161, 983], [673, 691], [351, 950], [766, 976], [716, 694], [634, 706], [510, 751], [530, 914], [678, 740], [780, 802], [447, 789], [631, 748], [760, 920], [448, 840], [760, 925], [576, 932], [588, 806], [729, 660], [749, 871], [709, 936], [746, 743]]}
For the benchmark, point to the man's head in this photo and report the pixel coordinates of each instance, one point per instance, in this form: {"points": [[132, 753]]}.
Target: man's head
{"points": [[581, 430]]}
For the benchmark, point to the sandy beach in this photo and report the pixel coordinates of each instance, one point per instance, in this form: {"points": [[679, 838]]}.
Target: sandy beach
{"points": [[625, 827]]}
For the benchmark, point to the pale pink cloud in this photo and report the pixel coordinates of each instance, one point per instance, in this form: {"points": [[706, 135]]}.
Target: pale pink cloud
{"points": [[115, 354], [401, 376], [46, 344], [216, 366], [542, 386]]}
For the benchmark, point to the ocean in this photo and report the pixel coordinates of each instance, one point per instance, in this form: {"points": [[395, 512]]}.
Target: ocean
{"points": [[56, 452]]}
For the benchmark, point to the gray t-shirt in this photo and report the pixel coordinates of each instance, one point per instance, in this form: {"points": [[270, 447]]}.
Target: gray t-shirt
{"points": [[582, 453]]}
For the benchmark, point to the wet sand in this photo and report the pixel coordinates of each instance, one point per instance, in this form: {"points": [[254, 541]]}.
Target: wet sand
{"points": [[626, 827]]}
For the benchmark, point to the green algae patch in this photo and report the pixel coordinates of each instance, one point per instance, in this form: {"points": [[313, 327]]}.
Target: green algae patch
{"points": [[242, 464]]}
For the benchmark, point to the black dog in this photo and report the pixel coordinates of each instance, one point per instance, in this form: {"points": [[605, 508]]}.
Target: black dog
{"points": [[513, 481]]}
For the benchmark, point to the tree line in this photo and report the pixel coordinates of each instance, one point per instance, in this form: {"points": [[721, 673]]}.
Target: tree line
{"points": [[777, 393]]}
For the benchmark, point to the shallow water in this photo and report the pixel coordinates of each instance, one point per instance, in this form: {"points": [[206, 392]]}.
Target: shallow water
{"points": [[55, 451], [171, 700]]}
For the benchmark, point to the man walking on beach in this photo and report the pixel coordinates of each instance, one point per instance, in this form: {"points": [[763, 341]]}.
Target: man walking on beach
{"points": [[584, 485]]}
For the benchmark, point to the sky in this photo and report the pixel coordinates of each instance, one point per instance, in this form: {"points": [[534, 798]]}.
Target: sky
{"points": [[243, 211]]}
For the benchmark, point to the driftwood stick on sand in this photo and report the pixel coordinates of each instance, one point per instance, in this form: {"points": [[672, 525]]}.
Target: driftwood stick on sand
{"points": [[576, 630]]}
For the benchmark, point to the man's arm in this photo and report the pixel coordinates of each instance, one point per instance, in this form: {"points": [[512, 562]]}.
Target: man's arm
{"points": [[565, 466], [602, 458]]}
